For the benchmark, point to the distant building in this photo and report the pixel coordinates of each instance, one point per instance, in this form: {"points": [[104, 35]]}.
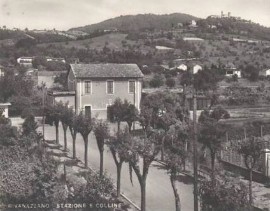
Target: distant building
{"points": [[2, 73], [265, 72], [232, 70], [196, 68], [25, 61], [193, 24], [97, 86], [68, 97], [180, 25], [182, 67], [4, 109], [50, 59]]}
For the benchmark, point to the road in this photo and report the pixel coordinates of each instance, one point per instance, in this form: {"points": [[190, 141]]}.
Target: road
{"points": [[159, 193]]}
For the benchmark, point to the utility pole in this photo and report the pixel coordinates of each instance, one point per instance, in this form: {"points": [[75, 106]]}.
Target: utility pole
{"points": [[43, 112], [195, 159]]}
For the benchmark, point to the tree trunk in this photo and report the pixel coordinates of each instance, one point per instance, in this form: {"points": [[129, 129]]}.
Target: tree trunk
{"points": [[143, 194], [57, 134], [119, 167], [162, 150], [65, 136], [176, 195], [195, 153], [129, 126], [101, 163], [85, 151], [74, 145], [213, 158], [250, 188], [118, 126]]}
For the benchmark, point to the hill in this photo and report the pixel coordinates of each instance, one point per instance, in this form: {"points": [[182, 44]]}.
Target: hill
{"points": [[234, 26], [138, 22]]}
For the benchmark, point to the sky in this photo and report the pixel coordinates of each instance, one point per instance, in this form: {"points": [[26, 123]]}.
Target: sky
{"points": [[65, 14]]}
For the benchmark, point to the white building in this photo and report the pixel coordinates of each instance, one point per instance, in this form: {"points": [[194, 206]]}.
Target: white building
{"points": [[4, 109], [49, 59], [265, 72], [2, 73], [196, 68], [25, 61], [193, 23], [182, 67], [231, 72]]}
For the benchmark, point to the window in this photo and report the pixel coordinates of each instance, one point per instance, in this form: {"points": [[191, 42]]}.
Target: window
{"points": [[110, 87], [87, 87], [131, 87]]}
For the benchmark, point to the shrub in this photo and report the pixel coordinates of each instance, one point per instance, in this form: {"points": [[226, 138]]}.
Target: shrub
{"points": [[157, 81], [170, 82]]}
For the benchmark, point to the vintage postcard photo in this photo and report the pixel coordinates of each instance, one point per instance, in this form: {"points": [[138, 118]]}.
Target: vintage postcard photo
{"points": [[121, 105]]}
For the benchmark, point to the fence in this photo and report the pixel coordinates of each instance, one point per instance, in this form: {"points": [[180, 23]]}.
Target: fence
{"points": [[233, 138]]}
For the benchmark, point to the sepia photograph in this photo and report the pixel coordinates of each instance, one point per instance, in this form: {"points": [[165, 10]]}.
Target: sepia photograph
{"points": [[121, 105]]}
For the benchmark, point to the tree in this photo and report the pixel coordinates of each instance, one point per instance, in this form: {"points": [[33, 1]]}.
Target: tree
{"points": [[251, 72], [84, 125], [121, 111], [212, 132], [203, 81], [162, 110], [73, 128], [157, 81], [130, 114], [235, 78], [62, 80], [101, 131], [118, 145], [175, 156], [170, 82], [65, 118], [116, 112], [154, 106], [251, 149], [53, 114], [143, 150]]}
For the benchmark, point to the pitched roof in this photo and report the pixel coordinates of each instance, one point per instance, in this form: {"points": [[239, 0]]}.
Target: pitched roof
{"points": [[106, 71]]}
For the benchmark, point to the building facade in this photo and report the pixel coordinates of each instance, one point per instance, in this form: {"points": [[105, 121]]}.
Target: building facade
{"points": [[97, 86]]}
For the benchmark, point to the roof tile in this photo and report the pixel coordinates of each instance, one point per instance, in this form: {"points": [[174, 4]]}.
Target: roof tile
{"points": [[106, 70]]}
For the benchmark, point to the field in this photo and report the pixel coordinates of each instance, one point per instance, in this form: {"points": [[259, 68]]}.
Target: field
{"points": [[113, 41], [215, 51]]}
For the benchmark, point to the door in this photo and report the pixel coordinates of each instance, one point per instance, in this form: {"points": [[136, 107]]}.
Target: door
{"points": [[87, 111]]}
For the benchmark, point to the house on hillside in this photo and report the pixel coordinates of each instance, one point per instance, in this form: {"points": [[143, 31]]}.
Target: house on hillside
{"points": [[2, 73], [193, 24], [97, 86], [50, 59], [196, 68], [265, 72], [232, 70], [25, 61], [4, 109], [182, 67]]}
